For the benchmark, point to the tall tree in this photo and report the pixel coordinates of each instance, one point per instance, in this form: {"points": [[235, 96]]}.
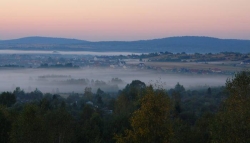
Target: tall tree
{"points": [[151, 122], [90, 126], [88, 95], [232, 123], [127, 102], [179, 88]]}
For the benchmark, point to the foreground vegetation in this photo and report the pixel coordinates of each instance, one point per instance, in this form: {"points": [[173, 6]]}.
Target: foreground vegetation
{"points": [[138, 113]]}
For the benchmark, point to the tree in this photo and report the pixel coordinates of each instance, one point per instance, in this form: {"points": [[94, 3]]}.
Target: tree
{"points": [[29, 126], [179, 88], [127, 102], [209, 91], [7, 99], [20, 94], [176, 97], [5, 125], [36, 94], [151, 122], [99, 94], [232, 123], [88, 93], [90, 129], [59, 126]]}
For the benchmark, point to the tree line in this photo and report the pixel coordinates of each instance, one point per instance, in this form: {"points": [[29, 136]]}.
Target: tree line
{"points": [[138, 113]]}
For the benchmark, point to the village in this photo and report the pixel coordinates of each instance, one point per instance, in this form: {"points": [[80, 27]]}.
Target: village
{"points": [[220, 63]]}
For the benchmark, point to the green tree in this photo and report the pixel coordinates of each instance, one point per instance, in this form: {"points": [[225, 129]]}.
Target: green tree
{"points": [[151, 122], [5, 125], [179, 88], [29, 126], [88, 95], [209, 91], [176, 98], [127, 102], [99, 96], [232, 123], [7, 99], [90, 126], [128, 99], [59, 126]]}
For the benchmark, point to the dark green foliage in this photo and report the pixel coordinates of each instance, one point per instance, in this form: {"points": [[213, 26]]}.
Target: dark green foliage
{"points": [[7, 99], [35, 95], [232, 123], [5, 125], [151, 122], [176, 98], [209, 91], [126, 103], [88, 94], [202, 115], [90, 126], [179, 88], [59, 126], [29, 126]]}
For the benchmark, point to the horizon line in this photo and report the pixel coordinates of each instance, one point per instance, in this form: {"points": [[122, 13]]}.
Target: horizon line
{"points": [[124, 40]]}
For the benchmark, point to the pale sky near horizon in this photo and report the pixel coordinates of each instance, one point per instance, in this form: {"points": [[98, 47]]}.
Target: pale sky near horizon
{"points": [[98, 20]]}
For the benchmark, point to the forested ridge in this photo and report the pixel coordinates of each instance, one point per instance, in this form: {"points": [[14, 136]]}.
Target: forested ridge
{"points": [[188, 44], [138, 113]]}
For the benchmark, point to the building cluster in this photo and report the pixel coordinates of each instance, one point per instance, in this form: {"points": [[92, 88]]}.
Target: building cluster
{"points": [[59, 61], [140, 62]]}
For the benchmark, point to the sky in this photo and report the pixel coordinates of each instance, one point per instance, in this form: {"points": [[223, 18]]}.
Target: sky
{"points": [[104, 20]]}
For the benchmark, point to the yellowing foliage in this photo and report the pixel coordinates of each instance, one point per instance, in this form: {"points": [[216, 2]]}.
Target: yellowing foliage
{"points": [[151, 122]]}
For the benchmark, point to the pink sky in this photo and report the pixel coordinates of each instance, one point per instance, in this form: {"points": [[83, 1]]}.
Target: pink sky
{"points": [[97, 20]]}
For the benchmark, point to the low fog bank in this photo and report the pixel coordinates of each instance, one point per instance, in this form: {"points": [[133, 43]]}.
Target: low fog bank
{"points": [[109, 80]]}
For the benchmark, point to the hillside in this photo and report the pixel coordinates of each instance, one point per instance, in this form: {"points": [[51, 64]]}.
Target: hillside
{"points": [[42, 40], [188, 44]]}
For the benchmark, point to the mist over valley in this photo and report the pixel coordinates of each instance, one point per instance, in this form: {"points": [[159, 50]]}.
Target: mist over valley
{"points": [[75, 80], [72, 71], [124, 71]]}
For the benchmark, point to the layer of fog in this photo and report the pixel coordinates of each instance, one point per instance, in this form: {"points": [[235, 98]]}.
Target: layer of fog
{"points": [[67, 52], [49, 80]]}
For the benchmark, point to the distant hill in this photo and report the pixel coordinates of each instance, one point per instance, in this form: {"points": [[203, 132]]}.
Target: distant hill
{"points": [[188, 44], [42, 40]]}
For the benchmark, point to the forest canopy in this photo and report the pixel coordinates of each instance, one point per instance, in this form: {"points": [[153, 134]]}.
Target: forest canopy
{"points": [[138, 113]]}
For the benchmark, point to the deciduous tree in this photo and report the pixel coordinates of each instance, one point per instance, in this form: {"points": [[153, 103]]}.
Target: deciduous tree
{"points": [[151, 122], [232, 123]]}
